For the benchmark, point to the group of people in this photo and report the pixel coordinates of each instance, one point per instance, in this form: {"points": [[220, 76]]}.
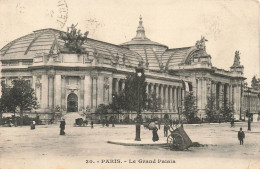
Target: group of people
{"points": [[168, 127]]}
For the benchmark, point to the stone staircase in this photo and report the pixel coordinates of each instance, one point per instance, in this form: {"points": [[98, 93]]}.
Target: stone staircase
{"points": [[71, 116]]}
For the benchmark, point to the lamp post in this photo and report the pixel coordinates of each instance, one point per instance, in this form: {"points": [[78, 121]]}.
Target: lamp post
{"points": [[139, 73], [248, 112]]}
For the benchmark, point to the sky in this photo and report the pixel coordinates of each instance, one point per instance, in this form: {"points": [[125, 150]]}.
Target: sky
{"points": [[228, 25]]}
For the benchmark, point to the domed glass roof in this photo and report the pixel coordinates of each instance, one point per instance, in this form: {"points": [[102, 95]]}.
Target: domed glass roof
{"points": [[48, 41]]}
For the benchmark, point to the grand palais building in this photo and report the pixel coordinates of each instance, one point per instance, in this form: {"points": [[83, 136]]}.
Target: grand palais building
{"points": [[81, 82]]}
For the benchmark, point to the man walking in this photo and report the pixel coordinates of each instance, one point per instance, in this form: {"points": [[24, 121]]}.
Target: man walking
{"points": [[165, 129], [241, 136], [62, 127]]}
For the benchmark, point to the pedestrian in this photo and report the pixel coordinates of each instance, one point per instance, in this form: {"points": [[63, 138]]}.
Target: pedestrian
{"points": [[165, 129], [232, 122], [249, 124], [32, 125], [62, 127], [155, 135], [92, 124], [241, 136]]}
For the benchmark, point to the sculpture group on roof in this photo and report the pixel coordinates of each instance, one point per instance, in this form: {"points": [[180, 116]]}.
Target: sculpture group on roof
{"points": [[200, 44], [237, 59], [74, 40]]}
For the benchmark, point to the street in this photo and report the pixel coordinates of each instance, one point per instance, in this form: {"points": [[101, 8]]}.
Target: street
{"points": [[83, 147]]}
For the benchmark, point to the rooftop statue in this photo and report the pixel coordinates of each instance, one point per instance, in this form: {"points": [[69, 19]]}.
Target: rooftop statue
{"points": [[200, 44], [237, 59], [74, 40]]}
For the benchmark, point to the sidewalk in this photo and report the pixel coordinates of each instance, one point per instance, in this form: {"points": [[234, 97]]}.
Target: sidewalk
{"points": [[143, 142]]}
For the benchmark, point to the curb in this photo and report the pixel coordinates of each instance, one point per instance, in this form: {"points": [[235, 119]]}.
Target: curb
{"points": [[138, 144]]}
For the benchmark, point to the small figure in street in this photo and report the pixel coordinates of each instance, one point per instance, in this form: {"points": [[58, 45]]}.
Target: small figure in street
{"points": [[92, 124], [159, 124], [249, 124], [165, 129], [32, 125], [241, 136], [62, 127], [155, 135], [232, 123]]}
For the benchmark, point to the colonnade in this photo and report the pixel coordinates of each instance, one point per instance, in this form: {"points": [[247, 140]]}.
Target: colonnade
{"points": [[171, 96], [225, 94]]}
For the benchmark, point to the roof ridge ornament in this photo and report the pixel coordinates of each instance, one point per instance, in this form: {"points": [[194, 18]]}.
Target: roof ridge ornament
{"points": [[140, 32]]}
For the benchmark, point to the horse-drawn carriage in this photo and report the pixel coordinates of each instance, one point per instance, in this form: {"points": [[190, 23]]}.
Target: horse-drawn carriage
{"points": [[80, 122], [178, 139]]}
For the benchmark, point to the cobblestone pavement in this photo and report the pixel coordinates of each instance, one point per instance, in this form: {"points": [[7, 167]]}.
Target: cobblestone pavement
{"points": [[43, 147]]}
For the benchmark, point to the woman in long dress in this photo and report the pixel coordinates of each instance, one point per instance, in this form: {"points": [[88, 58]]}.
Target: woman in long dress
{"points": [[155, 135]]}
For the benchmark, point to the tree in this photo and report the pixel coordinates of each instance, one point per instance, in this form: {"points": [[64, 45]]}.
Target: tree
{"points": [[190, 109], [2, 101], [211, 110], [226, 111], [22, 96], [154, 103], [6, 102], [132, 99]]}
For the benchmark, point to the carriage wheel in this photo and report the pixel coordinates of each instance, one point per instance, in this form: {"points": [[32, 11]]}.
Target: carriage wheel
{"points": [[175, 142]]}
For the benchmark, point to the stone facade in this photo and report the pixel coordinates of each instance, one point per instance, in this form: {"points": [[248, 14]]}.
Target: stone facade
{"points": [[80, 82]]}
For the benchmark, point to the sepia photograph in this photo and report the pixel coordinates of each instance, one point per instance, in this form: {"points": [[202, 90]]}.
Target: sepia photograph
{"points": [[133, 84]]}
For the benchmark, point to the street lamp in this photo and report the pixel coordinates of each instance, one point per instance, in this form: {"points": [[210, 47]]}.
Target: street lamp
{"points": [[139, 72], [248, 112]]}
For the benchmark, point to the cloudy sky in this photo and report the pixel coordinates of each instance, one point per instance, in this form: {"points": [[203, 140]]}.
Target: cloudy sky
{"points": [[228, 25]]}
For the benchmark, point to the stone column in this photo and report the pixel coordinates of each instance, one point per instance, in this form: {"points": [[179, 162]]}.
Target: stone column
{"points": [[51, 91], [38, 90], [170, 98], [214, 90], [57, 91], [227, 94], [147, 88], [204, 93], [63, 93], [94, 92], [87, 91], [110, 90], [157, 90], [117, 85], [162, 96], [220, 95], [182, 97], [238, 99], [166, 97], [100, 90], [81, 94], [199, 104], [106, 90], [34, 78], [230, 95], [123, 84], [152, 88], [175, 107], [44, 93]]}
